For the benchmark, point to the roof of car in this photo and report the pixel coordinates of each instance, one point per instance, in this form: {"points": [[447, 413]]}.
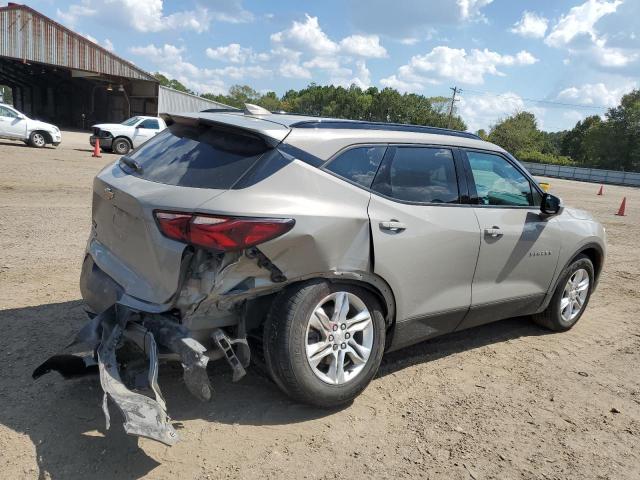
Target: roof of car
{"points": [[306, 121], [275, 127]]}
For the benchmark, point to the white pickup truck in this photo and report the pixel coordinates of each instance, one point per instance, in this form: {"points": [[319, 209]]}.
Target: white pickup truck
{"points": [[17, 126], [122, 137]]}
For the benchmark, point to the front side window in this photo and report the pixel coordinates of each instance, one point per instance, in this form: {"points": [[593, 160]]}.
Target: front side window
{"points": [[498, 182], [151, 124], [358, 164], [131, 121], [6, 112], [419, 174]]}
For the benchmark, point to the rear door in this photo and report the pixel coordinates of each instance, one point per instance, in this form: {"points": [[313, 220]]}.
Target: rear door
{"points": [[145, 130], [425, 239], [519, 247]]}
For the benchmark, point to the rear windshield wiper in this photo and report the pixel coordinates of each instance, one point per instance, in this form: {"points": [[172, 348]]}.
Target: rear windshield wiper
{"points": [[131, 163]]}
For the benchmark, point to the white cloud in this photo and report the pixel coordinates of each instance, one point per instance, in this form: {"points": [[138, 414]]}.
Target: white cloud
{"points": [[363, 45], [596, 94], [108, 44], [240, 73], [579, 21], [148, 15], [401, 85], [346, 77], [470, 9], [576, 32], [483, 111], [456, 64], [531, 25], [409, 40], [233, 53], [168, 59], [307, 36]]}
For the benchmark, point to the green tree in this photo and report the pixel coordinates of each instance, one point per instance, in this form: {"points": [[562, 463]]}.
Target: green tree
{"points": [[173, 83], [518, 132], [6, 95], [573, 143]]}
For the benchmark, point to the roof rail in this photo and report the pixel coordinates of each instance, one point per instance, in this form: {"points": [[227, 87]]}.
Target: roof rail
{"points": [[363, 125]]}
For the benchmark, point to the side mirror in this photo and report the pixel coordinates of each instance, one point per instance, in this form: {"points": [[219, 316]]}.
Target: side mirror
{"points": [[550, 205]]}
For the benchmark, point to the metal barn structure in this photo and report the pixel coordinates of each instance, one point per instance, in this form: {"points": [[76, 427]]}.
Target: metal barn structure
{"points": [[59, 76]]}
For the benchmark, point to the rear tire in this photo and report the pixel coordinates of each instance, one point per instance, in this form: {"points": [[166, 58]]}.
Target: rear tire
{"points": [[571, 297], [37, 140], [325, 361], [121, 146]]}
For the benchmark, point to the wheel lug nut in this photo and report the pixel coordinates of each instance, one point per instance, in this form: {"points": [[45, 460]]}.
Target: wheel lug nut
{"points": [[335, 327], [347, 335], [331, 338], [335, 346], [343, 326], [344, 345]]}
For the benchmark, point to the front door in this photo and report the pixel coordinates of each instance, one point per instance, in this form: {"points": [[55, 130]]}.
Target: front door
{"points": [[144, 131], [425, 241], [519, 245], [11, 124]]}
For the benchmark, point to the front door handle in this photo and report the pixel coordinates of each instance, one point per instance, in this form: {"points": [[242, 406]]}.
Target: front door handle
{"points": [[493, 232], [393, 226]]}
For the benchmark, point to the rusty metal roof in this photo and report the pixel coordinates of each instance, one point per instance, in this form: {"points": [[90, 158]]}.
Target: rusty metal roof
{"points": [[30, 36]]}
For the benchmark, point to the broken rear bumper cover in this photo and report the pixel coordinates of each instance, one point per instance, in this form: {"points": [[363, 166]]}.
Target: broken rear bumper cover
{"points": [[119, 329]]}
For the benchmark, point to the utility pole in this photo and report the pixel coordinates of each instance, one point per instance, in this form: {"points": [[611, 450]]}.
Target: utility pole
{"points": [[455, 90]]}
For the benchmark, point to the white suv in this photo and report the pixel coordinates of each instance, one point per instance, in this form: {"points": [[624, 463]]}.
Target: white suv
{"points": [[17, 126], [122, 137]]}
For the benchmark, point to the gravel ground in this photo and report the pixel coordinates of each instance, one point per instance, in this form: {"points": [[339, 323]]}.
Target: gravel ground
{"points": [[507, 400]]}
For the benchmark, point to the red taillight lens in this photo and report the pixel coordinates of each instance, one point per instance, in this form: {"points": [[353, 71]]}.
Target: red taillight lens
{"points": [[221, 233], [174, 225]]}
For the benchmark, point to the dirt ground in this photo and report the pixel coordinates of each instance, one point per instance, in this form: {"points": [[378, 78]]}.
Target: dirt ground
{"points": [[507, 400]]}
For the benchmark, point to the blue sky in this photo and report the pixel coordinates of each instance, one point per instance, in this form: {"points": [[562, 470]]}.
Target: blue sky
{"points": [[504, 54]]}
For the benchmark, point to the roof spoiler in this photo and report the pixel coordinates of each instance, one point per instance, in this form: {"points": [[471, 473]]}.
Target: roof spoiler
{"points": [[271, 133]]}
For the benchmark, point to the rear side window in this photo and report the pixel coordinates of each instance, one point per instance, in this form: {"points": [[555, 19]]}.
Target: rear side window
{"points": [[419, 174], [197, 156], [359, 164]]}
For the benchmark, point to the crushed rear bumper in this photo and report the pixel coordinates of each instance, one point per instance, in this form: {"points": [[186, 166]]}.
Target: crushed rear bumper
{"points": [[105, 336]]}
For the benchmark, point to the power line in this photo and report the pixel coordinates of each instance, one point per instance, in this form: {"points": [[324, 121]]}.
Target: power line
{"points": [[535, 100]]}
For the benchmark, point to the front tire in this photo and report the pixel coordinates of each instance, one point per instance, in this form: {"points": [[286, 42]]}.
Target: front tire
{"points": [[121, 146], [571, 297], [37, 139], [323, 342]]}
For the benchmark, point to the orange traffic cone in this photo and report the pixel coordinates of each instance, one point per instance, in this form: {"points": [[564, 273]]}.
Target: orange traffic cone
{"points": [[96, 149], [622, 208], [600, 191]]}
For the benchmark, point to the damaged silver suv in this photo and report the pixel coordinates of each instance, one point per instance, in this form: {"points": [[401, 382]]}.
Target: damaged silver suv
{"points": [[312, 246]]}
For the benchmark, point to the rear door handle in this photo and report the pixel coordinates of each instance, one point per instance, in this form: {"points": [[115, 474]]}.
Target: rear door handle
{"points": [[393, 226], [493, 232]]}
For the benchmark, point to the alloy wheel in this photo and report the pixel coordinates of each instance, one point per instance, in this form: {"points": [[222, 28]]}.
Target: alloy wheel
{"points": [[339, 338], [574, 295]]}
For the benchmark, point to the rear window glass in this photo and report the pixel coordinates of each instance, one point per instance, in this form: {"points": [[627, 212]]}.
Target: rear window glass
{"points": [[196, 156], [358, 164]]}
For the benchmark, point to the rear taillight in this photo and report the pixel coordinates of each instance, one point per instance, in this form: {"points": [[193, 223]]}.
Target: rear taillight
{"points": [[221, 233]]}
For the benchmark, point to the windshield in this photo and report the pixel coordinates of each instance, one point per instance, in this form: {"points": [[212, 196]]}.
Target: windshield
{"points": [[131, 121]]}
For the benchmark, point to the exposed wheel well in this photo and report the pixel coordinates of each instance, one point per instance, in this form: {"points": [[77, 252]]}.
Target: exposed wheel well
{"points": [[258, 307], [122, 137], [595, 256]]}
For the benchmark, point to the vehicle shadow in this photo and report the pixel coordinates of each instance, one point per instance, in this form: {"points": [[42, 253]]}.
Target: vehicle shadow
{"points": [[64, 419]]}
